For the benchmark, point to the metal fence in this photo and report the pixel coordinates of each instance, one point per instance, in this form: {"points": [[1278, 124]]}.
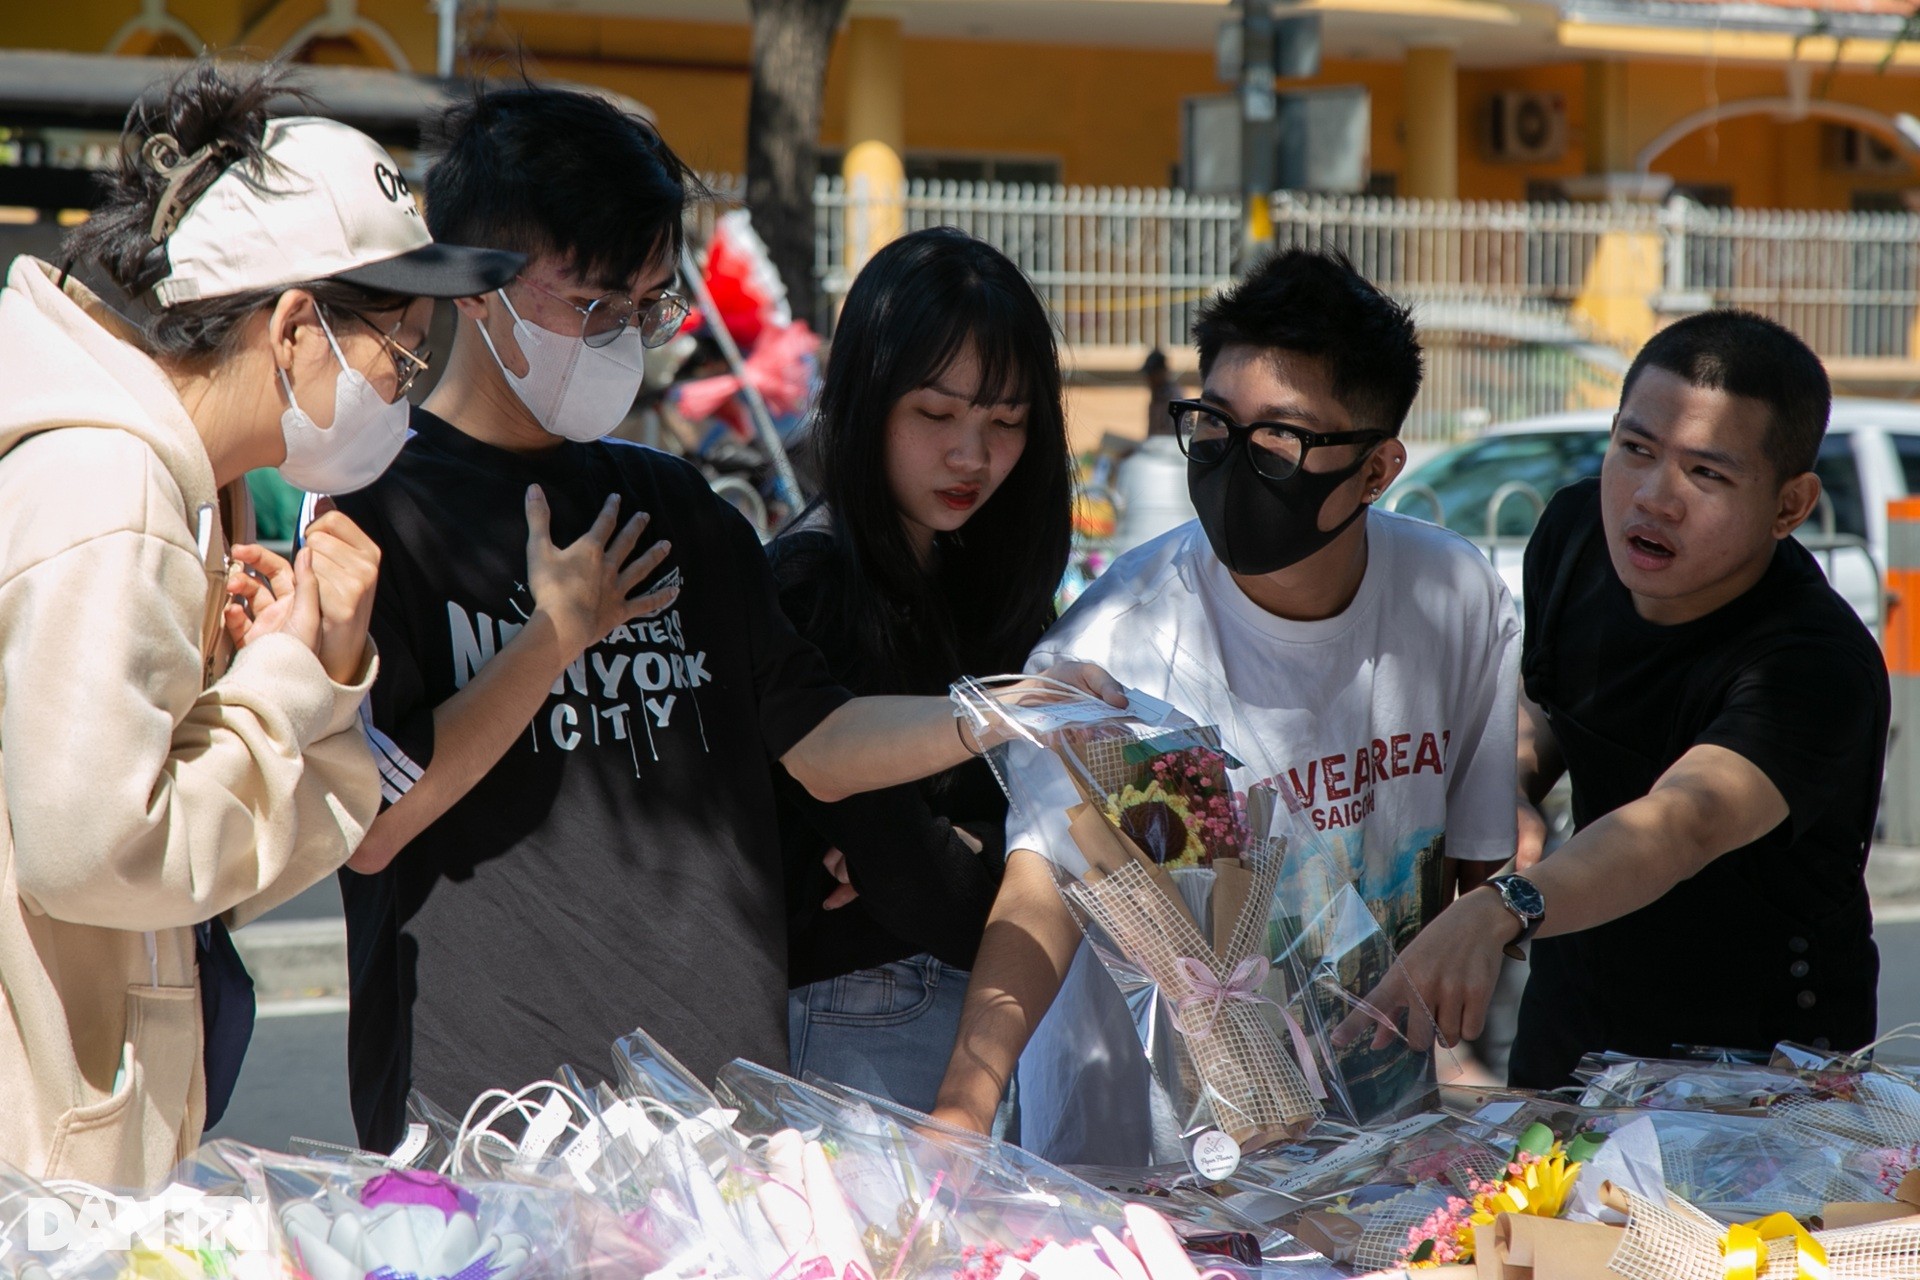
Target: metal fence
{"points": [[1118, 267], [1505, 294], [1532, 256], [1845, 282]]}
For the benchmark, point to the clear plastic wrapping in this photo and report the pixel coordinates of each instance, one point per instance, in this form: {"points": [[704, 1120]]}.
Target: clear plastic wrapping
{"points": [[1223, 917]]}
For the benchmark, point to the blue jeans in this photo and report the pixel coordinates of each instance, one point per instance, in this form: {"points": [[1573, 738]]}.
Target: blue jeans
{"points": [[885, 1031]]}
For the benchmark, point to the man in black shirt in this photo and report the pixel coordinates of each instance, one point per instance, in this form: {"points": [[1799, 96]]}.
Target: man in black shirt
{"points": [[1722, 714], [581, 835]]}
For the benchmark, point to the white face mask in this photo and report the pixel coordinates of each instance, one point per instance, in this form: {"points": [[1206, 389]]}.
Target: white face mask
{"points": [[575, 391], [364, 439]]}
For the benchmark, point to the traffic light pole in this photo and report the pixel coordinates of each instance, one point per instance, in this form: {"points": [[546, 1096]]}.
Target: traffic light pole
{"points": [[1257, 112]]}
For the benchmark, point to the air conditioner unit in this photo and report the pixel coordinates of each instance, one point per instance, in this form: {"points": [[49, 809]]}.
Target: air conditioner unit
{"points": [[1526, 128]]}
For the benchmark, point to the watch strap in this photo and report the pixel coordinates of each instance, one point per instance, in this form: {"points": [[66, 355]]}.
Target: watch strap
{"points": [[1529, 924]]}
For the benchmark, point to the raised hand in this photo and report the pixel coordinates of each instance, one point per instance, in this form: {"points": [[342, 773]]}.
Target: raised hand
{"points": [[277, 596], [582, 588], [346, 563]]}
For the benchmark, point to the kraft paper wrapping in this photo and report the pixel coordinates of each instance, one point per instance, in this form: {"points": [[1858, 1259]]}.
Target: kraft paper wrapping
{"points": [[1107, 851], [1905, 1204], [1253, 1083], [1675, 1241], [1520, 1246], [1232, 886], [1333, 1235], [1266, 861]]}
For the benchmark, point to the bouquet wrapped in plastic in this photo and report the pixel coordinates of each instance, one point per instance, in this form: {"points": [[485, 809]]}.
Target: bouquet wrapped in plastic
{"points": [[923, 1199], [1721, 1082], [1878, 1114], [342, 1220], [1666, 1238], [1173, 854]]}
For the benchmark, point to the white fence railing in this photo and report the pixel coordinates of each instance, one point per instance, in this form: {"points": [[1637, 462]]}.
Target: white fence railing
{"points": [[1848, 283], [1529, 255], [1117, 267], [1505, 294]]}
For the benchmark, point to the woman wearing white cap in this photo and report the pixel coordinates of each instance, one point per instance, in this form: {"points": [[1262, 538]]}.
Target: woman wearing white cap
{"points": [[178, 731]]}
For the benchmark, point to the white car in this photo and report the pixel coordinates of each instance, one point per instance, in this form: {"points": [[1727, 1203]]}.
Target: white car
{"points": [[1492, 489]]}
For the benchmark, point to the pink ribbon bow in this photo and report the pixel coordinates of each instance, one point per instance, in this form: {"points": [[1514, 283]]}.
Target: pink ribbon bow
{"points": [[1242, 986]]}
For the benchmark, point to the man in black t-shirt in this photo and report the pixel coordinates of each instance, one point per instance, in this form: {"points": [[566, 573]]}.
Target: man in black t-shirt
{"points": [[580, 836], [1722, 715]]}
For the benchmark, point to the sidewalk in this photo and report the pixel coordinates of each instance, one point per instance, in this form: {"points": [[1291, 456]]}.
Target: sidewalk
{"points": [[298, 954], [1893, 878]]}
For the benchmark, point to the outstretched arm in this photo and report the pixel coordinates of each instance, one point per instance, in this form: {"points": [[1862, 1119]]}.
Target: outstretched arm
{"points": [[1709, 803], [1029, 943], [871, 743]]}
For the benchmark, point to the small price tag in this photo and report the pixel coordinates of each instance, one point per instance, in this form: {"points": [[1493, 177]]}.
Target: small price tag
{"points": [[1045, 717], [1215, 1155], [1356, 1150], [410, 1146], [628, 1119], [1497, 1113], [545, 1129], [581, 1153], [1150, 709]]}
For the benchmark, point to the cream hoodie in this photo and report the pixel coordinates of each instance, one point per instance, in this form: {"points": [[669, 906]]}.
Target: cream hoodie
{"points": [[145, 789]]}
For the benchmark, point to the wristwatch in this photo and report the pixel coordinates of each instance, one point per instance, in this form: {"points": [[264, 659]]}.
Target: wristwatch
{"points": [[1525, 901]]}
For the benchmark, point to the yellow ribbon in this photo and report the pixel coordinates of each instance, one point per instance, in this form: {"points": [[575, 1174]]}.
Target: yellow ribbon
{"points": [[1743, 1250]]}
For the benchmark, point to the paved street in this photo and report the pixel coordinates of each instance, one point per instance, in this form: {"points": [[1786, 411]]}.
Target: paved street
{"points": [[294, 1083]]}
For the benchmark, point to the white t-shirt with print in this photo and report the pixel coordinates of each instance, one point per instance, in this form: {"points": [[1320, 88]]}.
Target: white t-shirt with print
{"points": [[1389, 729]]}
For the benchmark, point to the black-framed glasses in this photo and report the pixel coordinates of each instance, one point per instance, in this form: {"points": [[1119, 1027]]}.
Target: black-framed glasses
{"points": [[607, 317], [408, 364], [1277, 449]]}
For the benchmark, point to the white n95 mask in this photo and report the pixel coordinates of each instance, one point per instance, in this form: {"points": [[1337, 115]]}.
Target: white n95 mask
{"points": [[363, 441], [575, 391]]}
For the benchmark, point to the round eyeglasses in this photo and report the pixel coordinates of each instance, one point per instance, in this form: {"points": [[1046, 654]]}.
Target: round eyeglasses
{"points": [[408, 364], [607, 317], [1277, 449]]}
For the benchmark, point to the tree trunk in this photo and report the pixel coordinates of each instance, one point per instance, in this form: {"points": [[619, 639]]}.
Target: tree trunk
{"points": [[792, 40]]}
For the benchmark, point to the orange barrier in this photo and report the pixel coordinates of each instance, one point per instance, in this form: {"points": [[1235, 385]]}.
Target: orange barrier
{"points": [[1900, 634]]}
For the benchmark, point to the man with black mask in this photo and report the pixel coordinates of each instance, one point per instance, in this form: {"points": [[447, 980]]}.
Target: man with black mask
{"points": [[1367, 662]]}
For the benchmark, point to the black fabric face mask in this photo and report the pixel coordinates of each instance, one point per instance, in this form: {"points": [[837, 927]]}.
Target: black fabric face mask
{"points": [[1260, 525]]}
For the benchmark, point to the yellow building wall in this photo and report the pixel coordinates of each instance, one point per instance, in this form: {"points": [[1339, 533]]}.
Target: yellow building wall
{"points": [[1110, 116], [1767, 163], [253, 26], [1482, 178], [691, 75]]}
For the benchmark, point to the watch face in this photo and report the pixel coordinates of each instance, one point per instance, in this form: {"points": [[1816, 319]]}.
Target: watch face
{"points": [[1523, 897]]}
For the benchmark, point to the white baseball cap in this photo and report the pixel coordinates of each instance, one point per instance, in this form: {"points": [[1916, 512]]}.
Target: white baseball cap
{"points": [[326, 202]]}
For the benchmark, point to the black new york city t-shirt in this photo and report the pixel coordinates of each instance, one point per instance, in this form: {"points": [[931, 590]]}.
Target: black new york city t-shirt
{"points": [[1769, 942], [620, 866]]}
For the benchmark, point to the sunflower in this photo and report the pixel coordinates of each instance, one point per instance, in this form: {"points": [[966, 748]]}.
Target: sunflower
{"points": [[1160, 822]]}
